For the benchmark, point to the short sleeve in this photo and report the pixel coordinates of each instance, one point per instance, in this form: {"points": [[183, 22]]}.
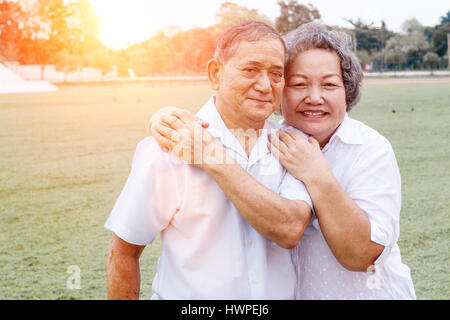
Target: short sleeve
{"points": [[293, 189], [376, 188], [149, 198]]}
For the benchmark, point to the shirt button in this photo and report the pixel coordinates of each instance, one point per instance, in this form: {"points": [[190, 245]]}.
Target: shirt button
{"points": [[250, 241], [255, 280]]}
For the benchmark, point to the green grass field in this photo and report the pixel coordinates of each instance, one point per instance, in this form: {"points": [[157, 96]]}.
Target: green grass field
{"points": [[65, 157]]}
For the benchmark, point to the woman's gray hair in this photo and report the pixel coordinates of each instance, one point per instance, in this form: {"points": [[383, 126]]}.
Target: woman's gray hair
{"points": [[314, 35]]}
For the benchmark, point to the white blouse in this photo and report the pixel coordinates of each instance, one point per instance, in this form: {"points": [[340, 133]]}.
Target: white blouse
{"points": [[365, 166]]}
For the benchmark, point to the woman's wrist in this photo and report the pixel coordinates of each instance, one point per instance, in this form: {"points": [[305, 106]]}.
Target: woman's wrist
{"points": [[320, 180]]}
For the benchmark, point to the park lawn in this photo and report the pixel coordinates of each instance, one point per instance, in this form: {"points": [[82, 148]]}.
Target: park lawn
{"points": [[65, 157]]}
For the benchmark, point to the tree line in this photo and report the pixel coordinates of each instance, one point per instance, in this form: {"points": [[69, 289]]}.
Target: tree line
{"points": [[66, 34]]}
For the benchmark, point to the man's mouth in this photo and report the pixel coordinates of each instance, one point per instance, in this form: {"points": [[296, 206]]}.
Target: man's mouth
{"points": [[261, 101]]}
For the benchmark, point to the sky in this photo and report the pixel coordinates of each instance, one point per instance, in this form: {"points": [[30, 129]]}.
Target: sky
{"points": [[130, 21]]}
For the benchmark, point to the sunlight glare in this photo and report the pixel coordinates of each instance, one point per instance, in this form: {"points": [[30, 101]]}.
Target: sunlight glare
{"points": [[125, 22]]}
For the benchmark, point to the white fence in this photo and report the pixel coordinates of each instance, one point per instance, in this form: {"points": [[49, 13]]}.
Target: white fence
{"points": [[49, 73]]}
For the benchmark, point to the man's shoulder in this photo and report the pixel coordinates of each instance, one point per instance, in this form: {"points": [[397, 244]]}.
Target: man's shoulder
{"points": [[148, 153]]}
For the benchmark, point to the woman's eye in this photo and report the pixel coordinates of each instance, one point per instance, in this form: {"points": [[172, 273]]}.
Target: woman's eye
{"points": [[330, 85], [250, 70]]}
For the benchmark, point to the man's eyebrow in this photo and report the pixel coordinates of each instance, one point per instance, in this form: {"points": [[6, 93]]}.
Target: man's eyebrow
{"points": [[259, 64]]}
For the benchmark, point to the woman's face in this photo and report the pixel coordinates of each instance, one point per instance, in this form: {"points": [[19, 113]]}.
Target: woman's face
{"points": [[314, 95]]}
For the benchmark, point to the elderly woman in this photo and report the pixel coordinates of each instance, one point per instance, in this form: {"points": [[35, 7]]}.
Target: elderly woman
{"points": [[349, 250]]}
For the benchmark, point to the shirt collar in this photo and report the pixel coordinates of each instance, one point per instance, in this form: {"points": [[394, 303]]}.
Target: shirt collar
{"points": [[220, 131], [348, 131]]}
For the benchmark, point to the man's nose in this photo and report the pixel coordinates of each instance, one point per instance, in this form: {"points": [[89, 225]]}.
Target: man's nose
{"points": [[263, 83], [314, 96]]}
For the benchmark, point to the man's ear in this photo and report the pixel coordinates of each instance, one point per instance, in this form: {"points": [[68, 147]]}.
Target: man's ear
{"points": [[213, 69]]}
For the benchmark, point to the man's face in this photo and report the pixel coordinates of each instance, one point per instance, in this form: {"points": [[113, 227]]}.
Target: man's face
{"points": [[251, 83]]}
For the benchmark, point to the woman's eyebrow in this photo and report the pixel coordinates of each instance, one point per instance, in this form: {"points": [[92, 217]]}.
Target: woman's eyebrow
{"points": [[328, 75], [298, 75]]}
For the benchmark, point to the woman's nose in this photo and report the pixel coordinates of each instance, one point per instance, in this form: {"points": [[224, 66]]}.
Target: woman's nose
{"points": [[314, 96]]}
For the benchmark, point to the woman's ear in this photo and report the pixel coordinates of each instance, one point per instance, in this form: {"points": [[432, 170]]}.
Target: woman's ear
{"points": [[213, 69]]}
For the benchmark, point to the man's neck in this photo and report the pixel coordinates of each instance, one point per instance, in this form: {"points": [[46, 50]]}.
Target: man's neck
{"points": [[246, 133]]}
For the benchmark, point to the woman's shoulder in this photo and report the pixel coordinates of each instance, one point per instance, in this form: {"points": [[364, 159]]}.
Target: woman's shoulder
{"points": [[368, 136]]}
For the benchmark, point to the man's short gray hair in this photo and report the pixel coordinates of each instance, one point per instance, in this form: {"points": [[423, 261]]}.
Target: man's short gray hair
{"points": [[245, 31], [314, 35]]}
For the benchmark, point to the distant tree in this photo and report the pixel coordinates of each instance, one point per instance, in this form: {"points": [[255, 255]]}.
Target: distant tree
{"points": [[231, 13], [412, 44], [69, 25], [431, 59], [445, 18], [197, 47], [13, 29], [439, 38], [395, 57], [412, 26], [363, 57], [368, 37], [293, 14]]}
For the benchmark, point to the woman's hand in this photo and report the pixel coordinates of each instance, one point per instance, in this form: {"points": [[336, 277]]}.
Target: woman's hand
{"points": [[301, 157]]}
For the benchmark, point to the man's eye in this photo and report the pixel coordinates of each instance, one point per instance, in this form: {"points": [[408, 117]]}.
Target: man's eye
{"points": [[299, 85], [277, 76], [250, 70], [330, 85]]}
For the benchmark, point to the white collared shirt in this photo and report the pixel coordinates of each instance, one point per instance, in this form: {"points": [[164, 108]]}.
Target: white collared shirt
{"points": [[365, 166], [208, 250]]}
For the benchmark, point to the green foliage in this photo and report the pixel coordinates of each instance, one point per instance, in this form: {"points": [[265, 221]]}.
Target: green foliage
{"points": [[231, 13], [431, 59], [439, 38], [363, 57], [185, 52], [293, 15], [445, 18], [368, 37], [408, 46], [395, 57], [13, 29]]}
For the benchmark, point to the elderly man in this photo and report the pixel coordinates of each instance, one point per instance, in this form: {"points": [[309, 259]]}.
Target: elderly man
{"points": [[210, 250]]}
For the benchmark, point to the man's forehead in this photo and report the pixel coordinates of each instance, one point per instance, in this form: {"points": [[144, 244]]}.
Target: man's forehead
{"points": [[255, 52]]}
